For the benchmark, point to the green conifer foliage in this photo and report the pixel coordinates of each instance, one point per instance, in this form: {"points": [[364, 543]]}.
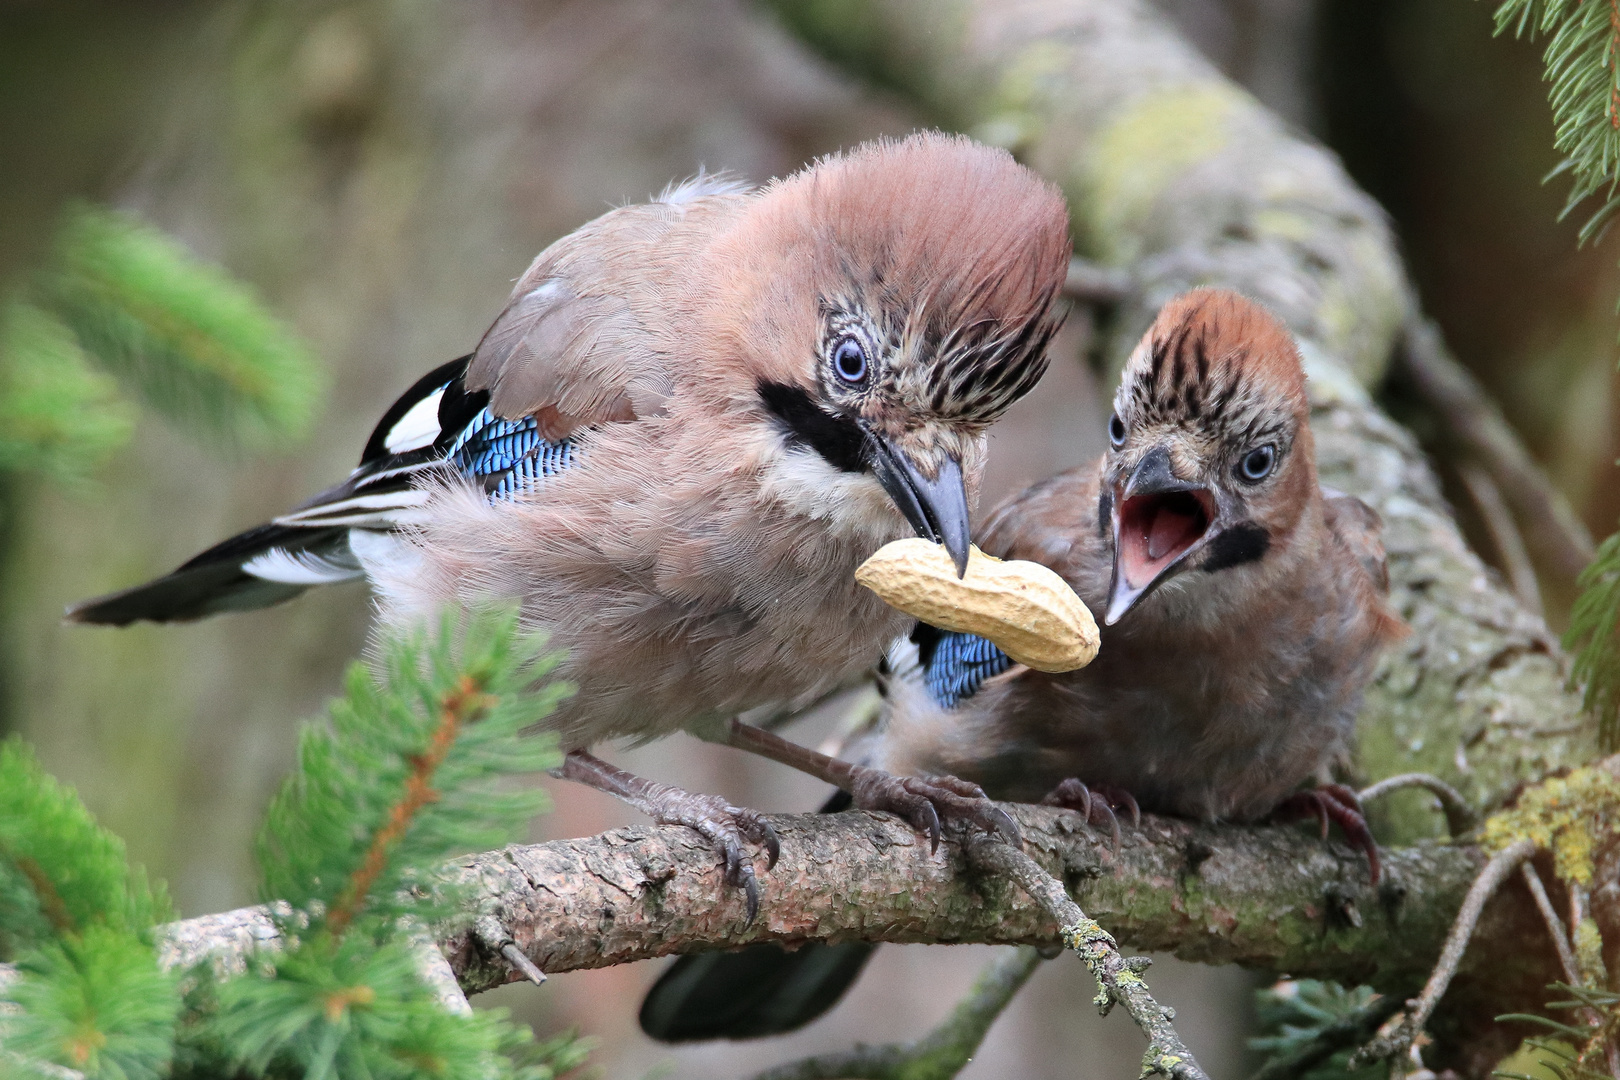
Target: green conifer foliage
{"points": [[1594, 637], [407, 771], [74, 915], [412, 766], [59, 870], [1584, 71], [191, 342], [1583, 68], [58, 415]]}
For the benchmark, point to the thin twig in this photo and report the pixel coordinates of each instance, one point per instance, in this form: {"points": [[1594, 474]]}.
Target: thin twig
{"points": [[1555, 928], [1460, 816], [1474, 422], [940, 1054], [434, 970], [1505, 535], [1331, 1039], [1119, 979], [1566, 953], [1397, 1036]]}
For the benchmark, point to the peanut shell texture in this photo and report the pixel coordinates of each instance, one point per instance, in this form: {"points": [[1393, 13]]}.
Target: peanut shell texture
{"points": [[1026, 609]]}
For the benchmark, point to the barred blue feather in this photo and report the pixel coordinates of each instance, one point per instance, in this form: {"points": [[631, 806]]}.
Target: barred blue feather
{"points": [[508, 455], [959, 665]]}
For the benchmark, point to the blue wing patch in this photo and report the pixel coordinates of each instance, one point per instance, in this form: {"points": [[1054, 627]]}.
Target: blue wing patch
{"points": [[959, 665], [507, 456]]}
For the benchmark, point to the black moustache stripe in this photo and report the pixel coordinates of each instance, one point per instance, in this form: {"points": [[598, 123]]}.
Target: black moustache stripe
{"points": [[838, 439]]}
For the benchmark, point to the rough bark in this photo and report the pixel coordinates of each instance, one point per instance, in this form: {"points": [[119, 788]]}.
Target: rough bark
{"points": [[1274, 898]]}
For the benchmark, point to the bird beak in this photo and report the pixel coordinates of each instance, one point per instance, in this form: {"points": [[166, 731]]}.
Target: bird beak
{"points": [[1159, 520], [936, 508]]}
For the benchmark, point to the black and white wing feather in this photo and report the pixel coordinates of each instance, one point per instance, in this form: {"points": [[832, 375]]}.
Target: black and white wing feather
{"points": [[436, 426]]}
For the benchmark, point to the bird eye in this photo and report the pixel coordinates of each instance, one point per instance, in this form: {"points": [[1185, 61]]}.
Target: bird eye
{"points": [[849, 360], [1257, 463], [1116, 431]]}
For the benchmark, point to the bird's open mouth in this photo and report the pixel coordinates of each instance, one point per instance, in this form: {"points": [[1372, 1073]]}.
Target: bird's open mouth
{"points": [[1155, 530]]}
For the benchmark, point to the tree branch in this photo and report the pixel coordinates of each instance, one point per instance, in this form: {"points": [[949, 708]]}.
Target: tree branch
{"points": [[1397, 1035], [1272, 898], [1475, 423], [1176, 178], [1119, 980], [940, 1054]]}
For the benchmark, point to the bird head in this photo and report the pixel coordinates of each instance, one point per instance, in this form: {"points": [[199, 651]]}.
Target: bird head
{"points": [[1210, 463], [891, 302]]}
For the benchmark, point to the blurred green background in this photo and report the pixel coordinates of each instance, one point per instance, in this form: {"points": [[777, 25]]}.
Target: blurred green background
{"points": [[378, 171]]}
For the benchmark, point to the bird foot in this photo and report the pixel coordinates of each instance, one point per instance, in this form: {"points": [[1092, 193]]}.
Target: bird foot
{"points": [[926, 801], [727, 828], [1097, 805], [1334, 803]]}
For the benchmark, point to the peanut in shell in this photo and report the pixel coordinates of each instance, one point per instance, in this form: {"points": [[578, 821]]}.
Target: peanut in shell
{"points": [[1028, 611]]}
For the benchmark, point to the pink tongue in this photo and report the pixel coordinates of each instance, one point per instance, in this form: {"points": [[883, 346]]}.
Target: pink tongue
{"points": [[1168, 532]]}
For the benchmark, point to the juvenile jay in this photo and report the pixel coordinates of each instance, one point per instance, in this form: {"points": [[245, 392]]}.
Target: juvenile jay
{"points": [[693, 420], [1243, 609]]}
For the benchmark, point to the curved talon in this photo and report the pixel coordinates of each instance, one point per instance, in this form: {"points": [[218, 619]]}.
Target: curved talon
{"points": [[750, 887], [1113, 821], [1119, 797], [1338, 803], [926, 803], [758, 831], [1007, 827], [933, 826], [1071, 794], [1318, 804], [1095, 805], [773, 848]]}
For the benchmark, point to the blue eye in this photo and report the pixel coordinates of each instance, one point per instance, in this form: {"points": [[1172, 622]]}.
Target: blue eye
{"points": [[1116, 431], [1257, 463], [849, 360]]}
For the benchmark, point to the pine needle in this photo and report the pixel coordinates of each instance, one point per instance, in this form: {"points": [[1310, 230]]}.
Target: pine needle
{"points": [[58, 416], [182, 336], [1594, 638]]}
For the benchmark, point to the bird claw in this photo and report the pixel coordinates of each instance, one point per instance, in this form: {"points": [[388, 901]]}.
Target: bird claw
{"points": [[1334, 803], [926, 802], [1096, 805], [727, 828]]}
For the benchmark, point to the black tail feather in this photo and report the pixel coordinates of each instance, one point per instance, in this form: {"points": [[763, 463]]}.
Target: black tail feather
{"points": [[211, 583], [754, 992], [749, 994], [309, 545]]}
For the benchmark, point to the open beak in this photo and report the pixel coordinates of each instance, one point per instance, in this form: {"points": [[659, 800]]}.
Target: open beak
{"points": [[936, 508], [1159, 521]]}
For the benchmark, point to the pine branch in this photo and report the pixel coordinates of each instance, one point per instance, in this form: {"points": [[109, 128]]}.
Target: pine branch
{"points": [[407, 770], [1594, 637], [461, 706], [58, 416], [1581, 59], [404, 774], [1273, 899], [72, 873], [940, 1054], [89, 993], [182, 336]]}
